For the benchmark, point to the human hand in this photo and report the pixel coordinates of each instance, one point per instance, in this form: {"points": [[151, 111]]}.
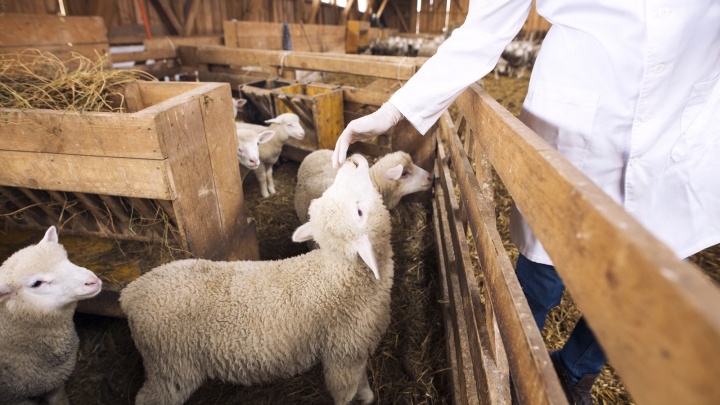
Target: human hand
{"points": [[365, 127]]}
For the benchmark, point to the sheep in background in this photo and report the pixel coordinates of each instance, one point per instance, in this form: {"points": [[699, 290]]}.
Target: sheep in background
{"points": [[238, 110], [394, 176], [501, 68], [249, 322], [285, 126], [39, 290], [249, 141], [520, 55]]}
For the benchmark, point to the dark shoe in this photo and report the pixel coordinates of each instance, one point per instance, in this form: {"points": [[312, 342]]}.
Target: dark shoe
{"points": [[577, 394]]}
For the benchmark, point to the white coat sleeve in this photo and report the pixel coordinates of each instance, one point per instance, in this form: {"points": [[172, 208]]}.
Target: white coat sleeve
{"points": [[470, 53]]}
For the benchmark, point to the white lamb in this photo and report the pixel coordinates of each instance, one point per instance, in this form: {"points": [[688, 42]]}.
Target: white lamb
{"points": [[394, 176], [249, 141], [39, 290], [249, 322], [285, 126]]}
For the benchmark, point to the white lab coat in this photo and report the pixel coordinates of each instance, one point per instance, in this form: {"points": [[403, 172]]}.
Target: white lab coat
{"points": [[627, 90]]}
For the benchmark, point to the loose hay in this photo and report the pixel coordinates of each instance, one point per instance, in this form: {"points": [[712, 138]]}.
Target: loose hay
{"points": [[38, 79]]}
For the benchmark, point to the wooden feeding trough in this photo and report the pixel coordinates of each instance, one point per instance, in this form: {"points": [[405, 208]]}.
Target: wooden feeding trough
{"points": [[113, 175], [320, 108], [261, 104]]}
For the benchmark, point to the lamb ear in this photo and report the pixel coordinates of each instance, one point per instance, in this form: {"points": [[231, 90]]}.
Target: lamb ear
{"points": [[394, 173], [303, 233], [275, 120], [365, 250], [240, 102], [265, 136], [50, 235], [5, 292]]}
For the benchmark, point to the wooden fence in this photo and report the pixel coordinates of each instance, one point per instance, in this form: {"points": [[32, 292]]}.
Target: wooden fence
{"points": [[656, 316]]}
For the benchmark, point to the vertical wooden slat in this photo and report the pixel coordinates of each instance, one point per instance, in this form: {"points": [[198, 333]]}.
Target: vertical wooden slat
{"points": [[524, 345], [465, 386], [455, 382]]}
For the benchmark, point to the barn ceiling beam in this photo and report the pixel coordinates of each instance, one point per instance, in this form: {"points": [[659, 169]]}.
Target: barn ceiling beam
{"points": [[191, 11], [166, 9], [368, 11], [381, 9], [313, 11], [401, 17], [459, 6], [346, 12]]}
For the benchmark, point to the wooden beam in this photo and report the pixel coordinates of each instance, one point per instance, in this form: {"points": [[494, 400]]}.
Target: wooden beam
{"points": [[313, 12], [368, 11], [401, 68], [400, 17], [346, 11], [170, 15], [381, 9], [192, 7], [654, 314]]}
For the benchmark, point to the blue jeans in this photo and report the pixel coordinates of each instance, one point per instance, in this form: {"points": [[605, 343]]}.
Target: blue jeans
{"points": [[543, 289]]}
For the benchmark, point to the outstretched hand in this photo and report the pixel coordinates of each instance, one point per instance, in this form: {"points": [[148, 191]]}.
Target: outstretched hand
{"points": [[365, 127]]}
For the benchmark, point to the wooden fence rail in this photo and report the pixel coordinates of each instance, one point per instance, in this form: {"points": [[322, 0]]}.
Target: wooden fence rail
{"points": [[655, 315]]}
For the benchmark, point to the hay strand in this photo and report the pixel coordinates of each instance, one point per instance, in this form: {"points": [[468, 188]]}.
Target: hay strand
{"points": [[34, 79]]}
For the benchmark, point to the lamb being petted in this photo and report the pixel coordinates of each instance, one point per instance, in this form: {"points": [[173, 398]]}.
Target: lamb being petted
{"points": [[39, 290], [248, 322], [393, 175], [285, 126]]}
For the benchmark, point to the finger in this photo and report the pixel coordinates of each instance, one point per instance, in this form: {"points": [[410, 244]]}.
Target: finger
{"points": [[334, 159], [341, 148]]}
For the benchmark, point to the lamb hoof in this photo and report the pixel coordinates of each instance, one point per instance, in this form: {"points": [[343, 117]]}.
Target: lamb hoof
{"points": [[366, 398]]}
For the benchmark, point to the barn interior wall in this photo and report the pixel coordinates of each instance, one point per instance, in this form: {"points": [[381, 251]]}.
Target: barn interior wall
{"points": [[125, 22]]}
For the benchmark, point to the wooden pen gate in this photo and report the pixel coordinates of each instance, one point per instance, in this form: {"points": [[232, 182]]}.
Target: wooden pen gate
{"points": [[656, 316]]}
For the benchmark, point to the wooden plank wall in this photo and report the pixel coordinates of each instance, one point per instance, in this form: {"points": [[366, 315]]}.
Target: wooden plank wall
{"points": [[124, 18], [61, 36], [268, 36]]}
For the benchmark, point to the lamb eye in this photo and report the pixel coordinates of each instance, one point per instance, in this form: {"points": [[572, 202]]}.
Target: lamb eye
{"points": [[405, 173], [360, 213], [36, 284]]}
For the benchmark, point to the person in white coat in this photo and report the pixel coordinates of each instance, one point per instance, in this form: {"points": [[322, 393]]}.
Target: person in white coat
{"points": [[627, 91]]}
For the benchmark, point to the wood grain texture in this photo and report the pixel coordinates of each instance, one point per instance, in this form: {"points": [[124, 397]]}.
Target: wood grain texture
{"points": [[91, 134], [527, 356], [399, 69], [127, 177], [655, 315]]}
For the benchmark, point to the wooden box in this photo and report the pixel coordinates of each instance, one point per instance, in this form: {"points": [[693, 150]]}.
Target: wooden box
{"points": [[357, 36], [172, 155], [261, 104], [320, 108]]}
